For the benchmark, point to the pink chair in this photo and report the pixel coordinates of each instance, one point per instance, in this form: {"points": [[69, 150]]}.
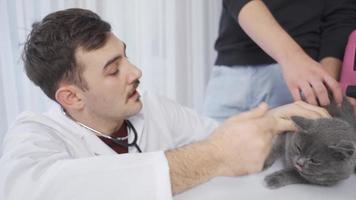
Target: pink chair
{"points": [[348, 73]]}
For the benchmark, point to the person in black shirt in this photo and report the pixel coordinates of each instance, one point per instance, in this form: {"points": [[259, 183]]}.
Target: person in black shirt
{"points": [[278, 51]]}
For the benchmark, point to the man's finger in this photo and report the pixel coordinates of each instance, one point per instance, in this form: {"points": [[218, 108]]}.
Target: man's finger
{"points": [[259, 111], [310, 111], [284, 125]]}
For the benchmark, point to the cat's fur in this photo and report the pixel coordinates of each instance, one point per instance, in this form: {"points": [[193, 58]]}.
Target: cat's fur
{"points": [[322, 151]]}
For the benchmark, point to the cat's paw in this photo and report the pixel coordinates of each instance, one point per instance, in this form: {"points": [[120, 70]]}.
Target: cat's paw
{"points": [[275, 181]]}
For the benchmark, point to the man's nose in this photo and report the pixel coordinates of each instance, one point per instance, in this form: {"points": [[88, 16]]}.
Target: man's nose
{"points": [[134, 74]]}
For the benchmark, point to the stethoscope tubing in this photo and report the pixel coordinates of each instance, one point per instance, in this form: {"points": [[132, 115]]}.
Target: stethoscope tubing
{"points": [[134, 142]]}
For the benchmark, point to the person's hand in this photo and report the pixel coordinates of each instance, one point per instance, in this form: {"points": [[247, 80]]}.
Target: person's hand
{"points": [[305, 76], [353, 103], [282, 114], [243, 142]]}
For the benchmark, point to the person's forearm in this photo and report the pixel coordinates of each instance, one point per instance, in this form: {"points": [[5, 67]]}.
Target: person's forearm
{"points": [[260, 25], [192, 165], [332, 66]]}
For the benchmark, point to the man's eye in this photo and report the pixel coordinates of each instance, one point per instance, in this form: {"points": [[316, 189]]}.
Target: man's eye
{"points": [[114, 72], [114, 69]]}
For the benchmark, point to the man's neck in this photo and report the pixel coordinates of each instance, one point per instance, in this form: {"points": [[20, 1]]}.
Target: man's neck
{"points": [[104, 126]]}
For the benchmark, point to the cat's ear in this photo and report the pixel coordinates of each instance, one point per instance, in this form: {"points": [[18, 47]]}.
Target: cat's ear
{"points": [[302, 123], [343, 150]]}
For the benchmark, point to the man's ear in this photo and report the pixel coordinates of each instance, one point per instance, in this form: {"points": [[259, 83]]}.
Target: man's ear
{"points": [[70, 97]]}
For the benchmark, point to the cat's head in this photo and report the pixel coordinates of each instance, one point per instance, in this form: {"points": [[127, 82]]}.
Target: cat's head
{"points": [[323, 151]]}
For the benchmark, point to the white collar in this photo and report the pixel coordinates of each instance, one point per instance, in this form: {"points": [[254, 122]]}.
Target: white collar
{"points": [[97, 146]]}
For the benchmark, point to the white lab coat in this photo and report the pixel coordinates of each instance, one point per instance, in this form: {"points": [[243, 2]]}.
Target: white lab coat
{"points": [[49, 156]]}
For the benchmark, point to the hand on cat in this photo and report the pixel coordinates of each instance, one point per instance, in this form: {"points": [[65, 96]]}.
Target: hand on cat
{"points": [[282, 114], [243, 142], [353, 103], [308, 79]]}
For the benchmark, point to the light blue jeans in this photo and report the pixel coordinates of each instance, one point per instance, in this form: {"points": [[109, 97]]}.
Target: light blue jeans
{"points": [[232, 90]]}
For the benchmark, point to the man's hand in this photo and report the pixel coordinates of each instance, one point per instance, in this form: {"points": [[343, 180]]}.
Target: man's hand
{"points": [[306, 76], [298, 108], [243, 142], [238, 146]]}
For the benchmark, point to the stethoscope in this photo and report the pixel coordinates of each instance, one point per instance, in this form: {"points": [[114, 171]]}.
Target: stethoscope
{"points": [[133, 143], [118, 140]]}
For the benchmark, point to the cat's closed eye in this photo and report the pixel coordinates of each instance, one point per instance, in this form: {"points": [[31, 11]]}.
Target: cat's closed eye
{"points": [[314, 161], [297, 147]]}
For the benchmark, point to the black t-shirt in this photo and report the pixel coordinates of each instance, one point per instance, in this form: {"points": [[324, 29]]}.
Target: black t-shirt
{"points": [[320, 27]]}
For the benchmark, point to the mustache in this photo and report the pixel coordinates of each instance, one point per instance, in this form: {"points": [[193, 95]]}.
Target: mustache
{"points": [[136, 84]]}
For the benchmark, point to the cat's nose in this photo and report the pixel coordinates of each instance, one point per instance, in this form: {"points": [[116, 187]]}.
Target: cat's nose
{"points": [[300, 163]]}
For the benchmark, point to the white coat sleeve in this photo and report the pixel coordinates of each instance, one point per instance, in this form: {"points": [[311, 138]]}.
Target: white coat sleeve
{"points": [[36, 166]]}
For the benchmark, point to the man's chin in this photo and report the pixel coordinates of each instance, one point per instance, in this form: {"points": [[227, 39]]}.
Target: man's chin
{"points": [[136, 107]]}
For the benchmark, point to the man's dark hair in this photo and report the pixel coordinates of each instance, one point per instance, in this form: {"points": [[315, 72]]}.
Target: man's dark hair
{"points": [[49, 53]]}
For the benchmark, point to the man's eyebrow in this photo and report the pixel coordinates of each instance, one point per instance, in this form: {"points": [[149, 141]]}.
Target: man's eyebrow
{"points": [[112, 60], [115, 58]]}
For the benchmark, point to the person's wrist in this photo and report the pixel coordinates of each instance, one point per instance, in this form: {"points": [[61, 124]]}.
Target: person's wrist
{"points": [[288, 57], [216, 153], [332, 66]]}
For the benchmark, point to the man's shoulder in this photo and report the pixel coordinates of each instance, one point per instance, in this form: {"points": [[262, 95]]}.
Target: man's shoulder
{"points": [[32, 122], [29, 118]]}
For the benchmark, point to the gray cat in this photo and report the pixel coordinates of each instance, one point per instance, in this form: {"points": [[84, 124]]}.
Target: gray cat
{"points": [[322, 151]]}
